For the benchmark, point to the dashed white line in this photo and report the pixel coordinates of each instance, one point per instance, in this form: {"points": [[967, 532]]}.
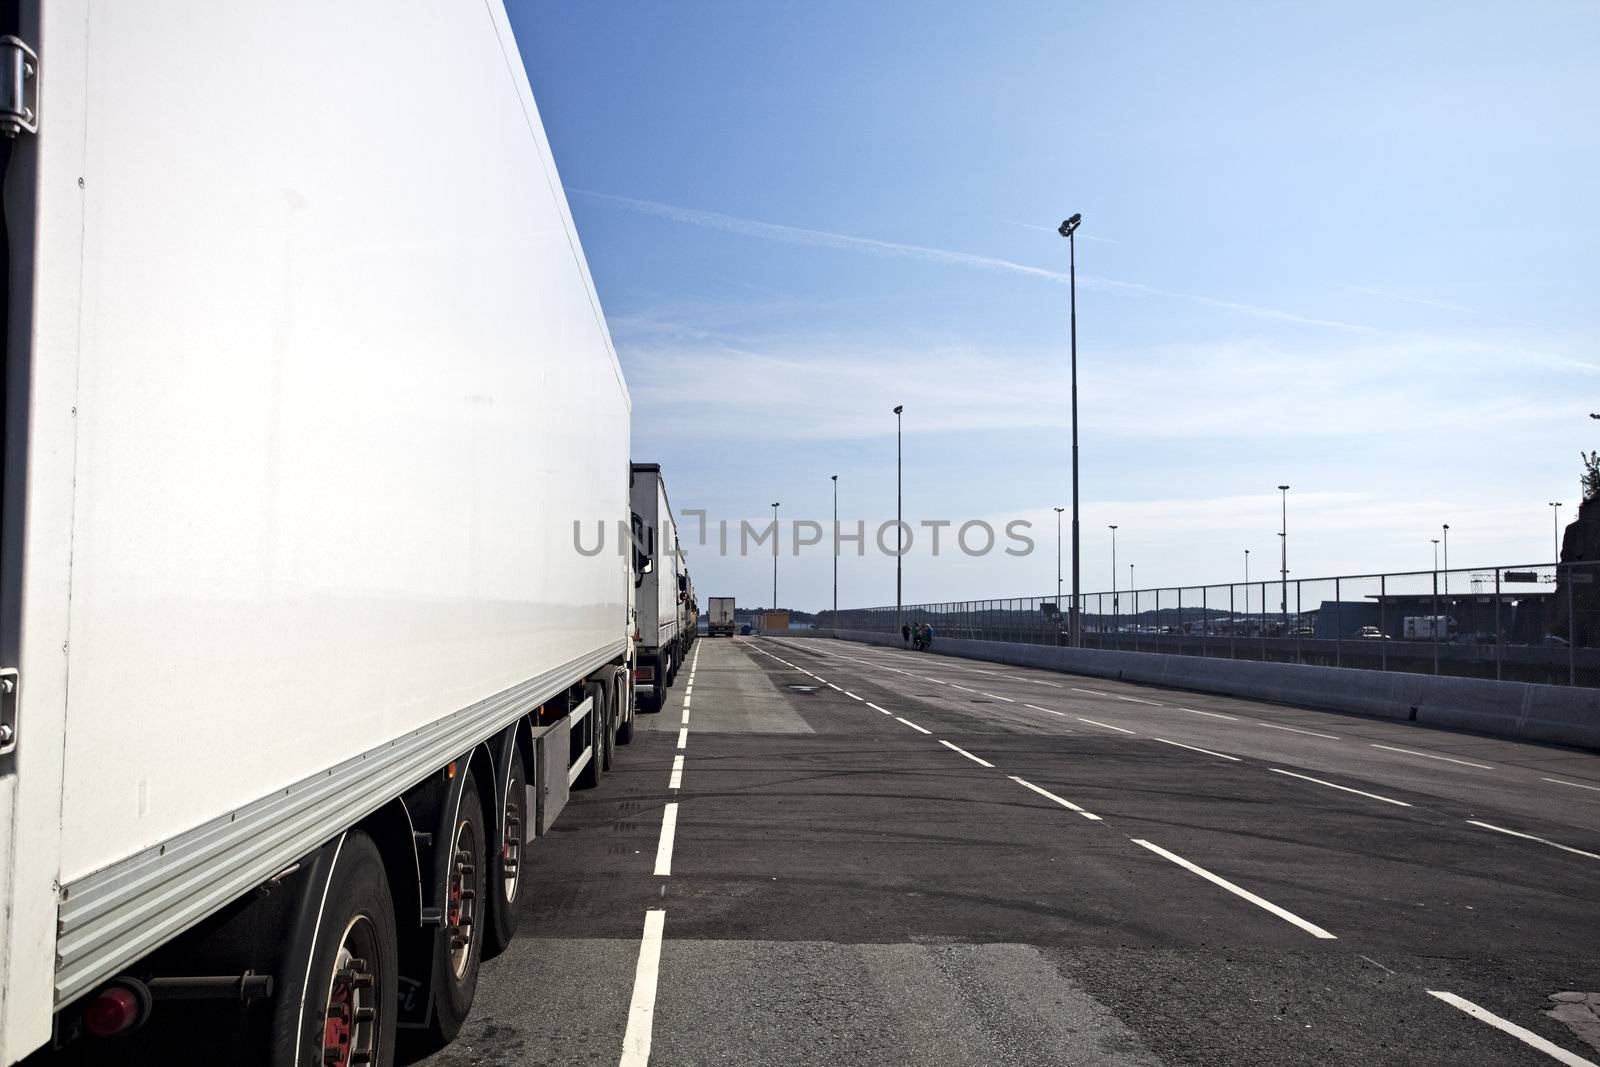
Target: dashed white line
{"points": [[1287, 916], [1211, 714], [683, 737], [961, 751], [851, 695], [830, 685], [935, 681], [686, 716], [1341, 788], [1107, 725], [1091, 692], [1051, 796], [913, 725], [688, 702], [875, 707], [1296, 730], [669, 830], [1430, 755], [641, 1012], [963, 688], [996, 696], [1051, 711], [1530, 837], [676, 781], [1193, 748], [1575, 785], [1527, 1037], [1135, 700]]}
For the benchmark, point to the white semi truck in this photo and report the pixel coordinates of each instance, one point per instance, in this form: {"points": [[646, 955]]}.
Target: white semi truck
{"points": [[307, 392], [719, 610], [667, 614]]}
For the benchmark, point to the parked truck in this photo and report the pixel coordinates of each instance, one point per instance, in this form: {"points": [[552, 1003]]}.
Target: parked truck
{"points": [[1427, 627], [667, 617], [719, 609], [307, 390]]}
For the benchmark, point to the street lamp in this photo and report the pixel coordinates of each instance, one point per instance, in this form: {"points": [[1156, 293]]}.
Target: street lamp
{"points": [[775, 555], [1058, 556], [1435, 541], [1113, 530], [899, 524], [1067, 230], [1284, 534], [1555, 528], [835, 478], [1447, 559]]}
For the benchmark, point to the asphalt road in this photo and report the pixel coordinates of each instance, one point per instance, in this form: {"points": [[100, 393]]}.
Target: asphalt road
{"points": [[872, 856]]}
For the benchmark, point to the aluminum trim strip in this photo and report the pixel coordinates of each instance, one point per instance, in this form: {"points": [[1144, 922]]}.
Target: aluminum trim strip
{"points": [[116, 915]]}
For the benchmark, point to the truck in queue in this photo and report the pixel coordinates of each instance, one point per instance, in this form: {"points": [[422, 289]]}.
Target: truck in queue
{"points": [[667, 618], [307, 389], [719, 612]]}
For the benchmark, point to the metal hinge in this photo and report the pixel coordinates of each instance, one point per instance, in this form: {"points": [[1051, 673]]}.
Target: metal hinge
{"points": [[10, 684], [19, 87]]}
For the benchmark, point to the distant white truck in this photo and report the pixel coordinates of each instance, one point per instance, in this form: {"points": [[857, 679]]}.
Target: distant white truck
{"points": [[720, 612], [667, 620], [1427, 627]]}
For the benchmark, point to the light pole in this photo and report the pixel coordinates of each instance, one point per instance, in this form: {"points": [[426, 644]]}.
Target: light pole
{"points": [[1435, 541], [1067, 230], [835, 478], [1058, 556], [1555, 528], [1113, 530], [899, 525], [1284, 535], [1447, 559], [775, 555]]}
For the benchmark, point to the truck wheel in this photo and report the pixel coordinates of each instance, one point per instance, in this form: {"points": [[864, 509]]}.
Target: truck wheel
{"points": [[607, 738], [651, 704], [589, 777], [506, 877], [338, 1005], [460, 945]]}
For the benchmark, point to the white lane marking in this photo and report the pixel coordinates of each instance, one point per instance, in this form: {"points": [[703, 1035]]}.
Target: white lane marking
{"points": [[1287, 916], [669, 830], [835, 688], [913, 725], [1341, 788], [963, 688], [935, 681], [1091, 692], [851, 695], [1296, 730], [1530, 837], [686, 716], [875, 707], [1212, 714], [1052, 711], [1041, 681], [1136, 700], [1429, 755], [1575, 785], [1051, 796], [1527, 1037], [688, 702], [683, 737], [641, 1013], [676, 781], [996, 696], [1192, 748], [964, 752], [688, 691], [1107, 725]]}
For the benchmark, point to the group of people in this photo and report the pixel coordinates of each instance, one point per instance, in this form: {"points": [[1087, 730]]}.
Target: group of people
{"points": [[917, 635]]}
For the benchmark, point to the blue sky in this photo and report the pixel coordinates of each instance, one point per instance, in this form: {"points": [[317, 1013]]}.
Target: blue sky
{"points": [[1348, 247]]}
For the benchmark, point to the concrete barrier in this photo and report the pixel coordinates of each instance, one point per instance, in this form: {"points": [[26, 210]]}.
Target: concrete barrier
{"points": [[1557, 714]]}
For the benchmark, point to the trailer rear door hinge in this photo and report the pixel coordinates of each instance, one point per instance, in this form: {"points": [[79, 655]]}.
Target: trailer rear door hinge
{"points": [[19, 87], [10, 684]]}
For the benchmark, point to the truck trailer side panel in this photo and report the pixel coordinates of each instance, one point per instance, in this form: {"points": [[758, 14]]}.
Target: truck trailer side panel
{"points": [[339, 391]]}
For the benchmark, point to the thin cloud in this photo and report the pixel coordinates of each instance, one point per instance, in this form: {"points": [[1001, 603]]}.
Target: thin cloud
{"points": [[1052, 229], [1408, 299], [772, 231]]}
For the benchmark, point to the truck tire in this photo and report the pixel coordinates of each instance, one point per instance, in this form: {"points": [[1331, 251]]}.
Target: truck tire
{"points": [[506, 873], [651, 704], [607, 738], [460, 940], [599, 726], [337, 1002]]}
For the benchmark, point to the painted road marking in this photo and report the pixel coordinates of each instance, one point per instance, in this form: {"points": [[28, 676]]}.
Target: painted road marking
{"points": [[1091, 692], [1430, 755], [875, 707], [688, 690], [935, 681], [963, 688], [830, 685], [686, 716], [683, 737], [1192, 748], [1287, 916], [1527, 1037], [964, 752], [851, 695], [676, 781], [687, 702], [913, 725], [995, 696], [669, 830], [1052, 711], [1136, 700], [1296, 730], [641, 1012], [1530, 837], [1107, 725], [1575, 785], [1051, 796], [1341, 788], [1212, 714]]}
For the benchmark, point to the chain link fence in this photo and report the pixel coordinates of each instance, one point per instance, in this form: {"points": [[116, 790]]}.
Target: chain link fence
{"points": [[1530, 623]]}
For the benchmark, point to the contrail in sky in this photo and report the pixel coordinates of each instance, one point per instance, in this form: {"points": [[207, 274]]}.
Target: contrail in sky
{"points": [[772, 231], [1407, 299]]}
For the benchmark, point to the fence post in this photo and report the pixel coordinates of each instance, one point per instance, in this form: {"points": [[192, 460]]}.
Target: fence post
{"points": [[1205, 645], [1433, 625], [1299, 623], [1159, 635], [1261, 630], [1572, 629], [1338, 627], [1383, 608], [1233, 621], [1179, 627], [1499, 639]]}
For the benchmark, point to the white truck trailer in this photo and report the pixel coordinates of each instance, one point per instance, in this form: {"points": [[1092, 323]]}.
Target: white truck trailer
{"points": [[306, 389], [719, 610], [667, 615]]}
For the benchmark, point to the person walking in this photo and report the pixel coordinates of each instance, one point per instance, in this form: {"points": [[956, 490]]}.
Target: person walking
{"points": [[905, 633], [927, 636]]}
